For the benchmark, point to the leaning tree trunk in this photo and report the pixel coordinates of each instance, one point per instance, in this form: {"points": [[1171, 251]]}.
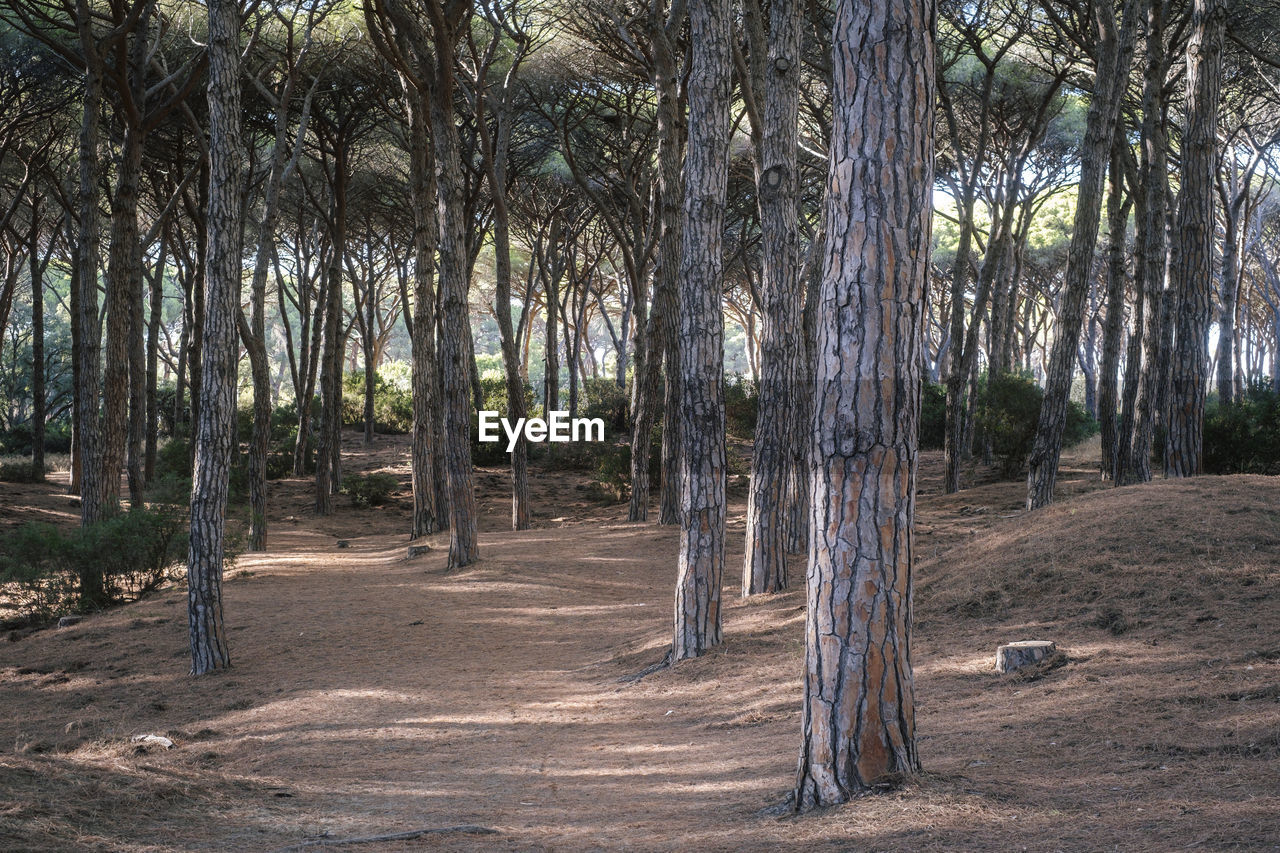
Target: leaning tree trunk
{"points": [[702, 437], [1115, 51], [1192, 278], [215, 430], [764, 567], [858, 715]]}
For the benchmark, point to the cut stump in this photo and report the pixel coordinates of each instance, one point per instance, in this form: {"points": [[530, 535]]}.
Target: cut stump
{"points": [[418, 550], [1023, 654]]}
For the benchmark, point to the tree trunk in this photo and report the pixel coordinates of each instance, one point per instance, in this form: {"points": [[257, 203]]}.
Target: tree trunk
{"points": [[455, 338], [662, 318], [37, 342], [94, 494], [1192, 278], [1115, 51], [858, 712], [1113, 330], [1135, 458], [154, 320], [422, 187], [764, 566], [329, 427], [216, 428], [702, 436]]}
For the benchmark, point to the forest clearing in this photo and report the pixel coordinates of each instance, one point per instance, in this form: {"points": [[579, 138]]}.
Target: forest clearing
{"points": [[373, 694]]}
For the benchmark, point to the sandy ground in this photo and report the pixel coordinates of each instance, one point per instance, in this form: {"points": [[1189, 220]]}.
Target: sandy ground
{"points": [[372, 694]]}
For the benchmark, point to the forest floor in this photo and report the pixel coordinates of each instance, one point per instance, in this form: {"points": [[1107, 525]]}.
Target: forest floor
{"points": [[372, 694]]}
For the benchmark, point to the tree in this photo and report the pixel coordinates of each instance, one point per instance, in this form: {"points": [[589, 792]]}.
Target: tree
{"points": [[858, 712], [1191, 279], [215, 430], [1114, 47], [702, 437]]}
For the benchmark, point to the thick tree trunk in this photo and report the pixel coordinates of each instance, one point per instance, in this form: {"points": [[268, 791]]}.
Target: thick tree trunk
{"points": [[702, 436], [764, 566], [858, 713], [1192, 278], [216, 428], [1115, 51]]}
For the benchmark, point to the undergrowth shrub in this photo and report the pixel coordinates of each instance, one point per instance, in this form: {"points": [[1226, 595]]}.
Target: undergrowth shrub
{"points": [[366, 490], [1008, 413], [133, 552], [1244, 437], [741, 406], [933, 415], [17, 441], [20, 472], [602, 398], [392, 403]]}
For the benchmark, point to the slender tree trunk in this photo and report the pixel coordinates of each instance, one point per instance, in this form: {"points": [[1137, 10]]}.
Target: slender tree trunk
{"points": [[1230, 279], [1192, 278], [662, 318], [1113, 330], [155, 318], [455, 352], [1115, 51], [329, 428], [765, 560], [37, 342], [702, 436], [422, 186], [94, 494], [1136, 456], [858, 712], [216, 428]]}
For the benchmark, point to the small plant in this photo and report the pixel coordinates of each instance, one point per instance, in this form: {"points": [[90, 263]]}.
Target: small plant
{"points": [[20, 472], [43, 570], [368, 490]]}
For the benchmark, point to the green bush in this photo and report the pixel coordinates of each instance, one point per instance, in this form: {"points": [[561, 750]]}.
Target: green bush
{"points": [[368, 490], [17, 441], [1244, 437], [741, 406], [392, 402], [133, 552], [20, 472], [611, 479], [933, 416], [602, 398], [1008, 413], [171, 482]]}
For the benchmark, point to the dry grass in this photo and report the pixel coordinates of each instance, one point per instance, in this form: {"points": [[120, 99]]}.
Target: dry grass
{"points": [[373, 694]]}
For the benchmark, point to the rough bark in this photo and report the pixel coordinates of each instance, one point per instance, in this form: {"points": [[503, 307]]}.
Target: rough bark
{"points": [[764, 566], [1192, 278], [858, 712], [216, 427], [447, 21], [662, 318], [1114, 51], [702, 428], [1113, 330], [1135, 461], [37, 342]]}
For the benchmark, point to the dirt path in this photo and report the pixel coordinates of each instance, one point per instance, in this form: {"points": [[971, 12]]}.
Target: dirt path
{"points": [[374, 694]]}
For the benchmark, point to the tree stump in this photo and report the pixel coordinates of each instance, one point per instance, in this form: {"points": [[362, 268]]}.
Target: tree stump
{"points": [[1023, 654], [68, 621], [418, 550]]}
